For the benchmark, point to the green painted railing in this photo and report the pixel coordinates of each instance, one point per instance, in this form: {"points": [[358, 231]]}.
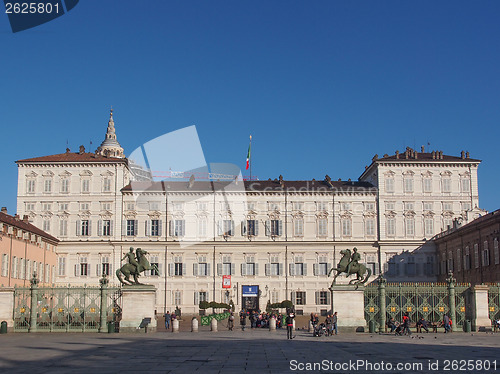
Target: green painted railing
{"points": [[206, 320]]}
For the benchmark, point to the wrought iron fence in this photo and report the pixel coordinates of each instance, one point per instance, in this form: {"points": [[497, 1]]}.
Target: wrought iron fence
{"points": [[494, 302], [428, 300], [64, 308]]}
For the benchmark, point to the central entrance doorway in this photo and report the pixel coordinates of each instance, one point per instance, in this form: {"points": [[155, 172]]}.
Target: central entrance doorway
{"points": [[250, 298]]}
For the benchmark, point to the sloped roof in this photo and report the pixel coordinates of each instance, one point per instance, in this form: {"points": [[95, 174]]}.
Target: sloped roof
{"points": [[26, 226], [72, 157]]}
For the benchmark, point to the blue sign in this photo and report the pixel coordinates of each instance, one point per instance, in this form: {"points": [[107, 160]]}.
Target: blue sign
{"points": [[252, 291]]}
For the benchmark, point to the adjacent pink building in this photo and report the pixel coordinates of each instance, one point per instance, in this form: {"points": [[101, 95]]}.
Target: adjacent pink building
{"points": [[25, 249]]}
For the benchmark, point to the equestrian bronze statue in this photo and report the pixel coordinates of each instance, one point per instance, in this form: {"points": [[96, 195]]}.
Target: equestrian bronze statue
{"points": [[137, 263], [349, 264]]}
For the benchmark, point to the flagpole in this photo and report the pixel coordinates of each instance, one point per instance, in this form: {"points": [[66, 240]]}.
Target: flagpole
{"points": [[250, 160]]}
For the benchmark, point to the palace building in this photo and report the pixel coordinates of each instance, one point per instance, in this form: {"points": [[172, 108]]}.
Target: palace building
{"points": [[280, 236]]}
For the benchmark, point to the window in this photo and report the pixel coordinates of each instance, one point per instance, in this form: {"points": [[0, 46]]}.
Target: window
{"points": [[131, 227], [202, 206], [322, 206], [370, 227], [495, 251], [5, 265], [227, 267], [428, 206], [46, 225], [63, 207], [130, 206], [85, 227], [61, 266], [64, 185], [467, 264], [47, 185], [106, 185], [226, 227], [459, 257], [178, 269], [465, 185], [30, 186], [251, 206], [390, 205], [322, 298], [321, 268], [409, 206], [298, 206], [178, 206], [393, 267], [486, 254], [30, 207], [273, 206], [84, 266], [106, 206], [427, 185], [298, 227], [429, 265], [411, 266], [446, 184], [408, 184], [298, 268], [466, 206], [250, 228], [249, 267], [106, 227], [370, 207], [155, 264], [154, 206], [448, 207], [177, 298], [22, 268], [84, 206], [428, 227], [275, 297], [410, 226], [275, 268], [447, 223], [155, 227], [346, 227], [105, 266], [322, 227], [389, 185], [202, 227], [14, 271], [476, 256], [85, 185], [199, 297], [202, 268], [346, 206], [274, 227], [300, 297], [46, 207]]}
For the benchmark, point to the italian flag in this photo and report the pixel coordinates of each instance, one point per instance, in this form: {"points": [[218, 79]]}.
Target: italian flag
{"points": [[248, 154]]}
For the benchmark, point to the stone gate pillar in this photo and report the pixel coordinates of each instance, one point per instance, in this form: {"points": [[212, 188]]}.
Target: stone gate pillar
{"points": [[381, 296], [7, 306], [349, 302], [138, 304]]}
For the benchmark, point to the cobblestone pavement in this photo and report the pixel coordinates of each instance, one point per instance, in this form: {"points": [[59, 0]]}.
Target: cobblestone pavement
{"points": [[257, 351]]}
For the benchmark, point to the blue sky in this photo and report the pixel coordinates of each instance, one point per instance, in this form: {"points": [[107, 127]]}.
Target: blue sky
{"points": [[321, 85]]}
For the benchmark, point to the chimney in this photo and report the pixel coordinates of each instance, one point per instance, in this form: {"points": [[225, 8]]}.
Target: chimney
{"points": [[462, 154], [467, 154], [67, 150], [440, 155], [422, 150], [327, 178], [433, 155], [25, 218], [16, 217], [82, 150], [4, 209], [375, 158], [397, 154]]}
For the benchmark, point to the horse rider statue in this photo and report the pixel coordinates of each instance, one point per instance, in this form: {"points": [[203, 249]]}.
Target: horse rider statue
{"points": [[355, 257], [137, 264], [350, 264]]}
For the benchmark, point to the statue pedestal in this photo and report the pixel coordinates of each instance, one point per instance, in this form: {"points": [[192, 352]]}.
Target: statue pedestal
{"points": [[349, 303], [138, 304]]}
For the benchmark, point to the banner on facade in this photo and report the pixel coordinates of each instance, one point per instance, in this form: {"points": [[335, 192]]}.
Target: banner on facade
{"points": [[250, 291], [226, 281]]}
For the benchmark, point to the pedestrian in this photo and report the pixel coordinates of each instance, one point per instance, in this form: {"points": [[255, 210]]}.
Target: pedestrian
{"points": [[230, 322], [406, 324], [334, 322], [167, 320], [422, 324], [446, 323], [289, 325], [243, 319]]}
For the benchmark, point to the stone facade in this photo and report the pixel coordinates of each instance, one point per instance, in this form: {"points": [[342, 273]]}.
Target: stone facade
{"points": [[471, 251], [283, 236]]}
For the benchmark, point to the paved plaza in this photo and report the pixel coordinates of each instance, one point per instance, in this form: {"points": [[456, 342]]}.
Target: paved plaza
{"points": [[254, 351]]}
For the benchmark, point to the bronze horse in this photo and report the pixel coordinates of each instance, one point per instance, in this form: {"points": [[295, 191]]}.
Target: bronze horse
{"points": [[358, 269], [128, 269]]}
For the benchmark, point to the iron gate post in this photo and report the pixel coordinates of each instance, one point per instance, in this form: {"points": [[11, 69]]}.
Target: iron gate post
{"points": [[104, 305], [451, 297], [381, 296], [34, 303]]}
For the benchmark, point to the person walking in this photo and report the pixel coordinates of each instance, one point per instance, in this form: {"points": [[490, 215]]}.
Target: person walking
{"points": [[230, 322], [334, 323], [167, 320], [406, 324], [289, 325], [446, 323], [243, 319]]}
